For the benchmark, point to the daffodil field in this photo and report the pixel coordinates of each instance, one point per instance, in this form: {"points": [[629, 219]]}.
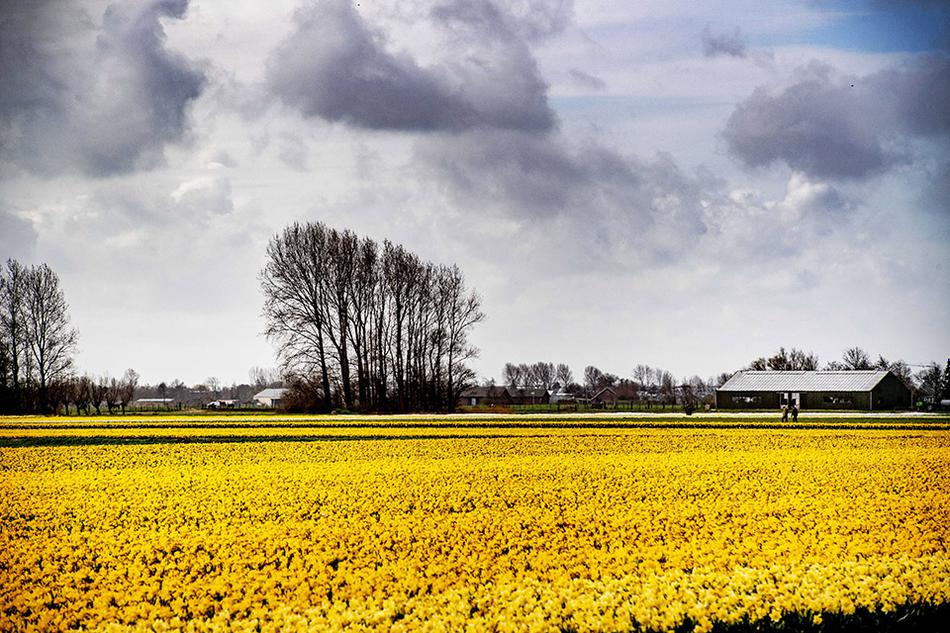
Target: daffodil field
{"points": [[471, 528]]}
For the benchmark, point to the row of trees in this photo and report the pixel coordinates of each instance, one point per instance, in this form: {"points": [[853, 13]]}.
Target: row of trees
{"points": [[539, 375], [37, 342], [87, 393], [366, 326], [646, 382]]}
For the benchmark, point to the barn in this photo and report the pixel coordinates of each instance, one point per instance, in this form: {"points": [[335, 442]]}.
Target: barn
{"points": [[529, 396], [270, 398], [484, 397], [869, 390]]}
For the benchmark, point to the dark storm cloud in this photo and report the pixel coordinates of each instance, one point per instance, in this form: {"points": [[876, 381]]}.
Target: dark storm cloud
{"points": [[534, 179], [334, 67], [716, 44], [584, 206], [829, 126], [94, 102]]}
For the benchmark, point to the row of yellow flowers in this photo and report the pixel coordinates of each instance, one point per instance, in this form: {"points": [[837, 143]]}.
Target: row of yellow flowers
{"points": [[826, 419], [528, 530]]}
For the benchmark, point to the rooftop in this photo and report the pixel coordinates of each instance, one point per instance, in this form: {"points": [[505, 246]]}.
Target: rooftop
{"points": [[857, 380], [274, 392]]}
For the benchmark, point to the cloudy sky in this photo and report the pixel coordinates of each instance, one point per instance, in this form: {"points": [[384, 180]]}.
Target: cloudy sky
{"points": [[683, 184]]}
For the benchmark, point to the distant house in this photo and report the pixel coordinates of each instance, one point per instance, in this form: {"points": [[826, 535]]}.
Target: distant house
{"points": [[530, 396], [864, 390], [607, 395], [270, 398], [484, 397]]}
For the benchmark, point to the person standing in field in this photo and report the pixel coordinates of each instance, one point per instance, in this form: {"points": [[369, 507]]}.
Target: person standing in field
{"points": [[795, 413], [784, 412]]}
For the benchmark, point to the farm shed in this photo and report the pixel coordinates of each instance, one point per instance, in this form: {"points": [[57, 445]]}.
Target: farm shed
{"points": [[270, 397], [484, 397], [864, 390]]}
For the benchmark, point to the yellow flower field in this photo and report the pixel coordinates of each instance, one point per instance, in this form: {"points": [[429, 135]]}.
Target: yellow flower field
{"points": [[482, 529]]}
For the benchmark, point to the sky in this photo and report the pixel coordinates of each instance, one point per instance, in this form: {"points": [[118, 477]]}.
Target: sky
{"points": [[686, 185]]}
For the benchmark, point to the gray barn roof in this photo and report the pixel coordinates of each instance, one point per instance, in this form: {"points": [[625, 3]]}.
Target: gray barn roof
{"points": [[484, 392], [859, 380], [273, 392]]}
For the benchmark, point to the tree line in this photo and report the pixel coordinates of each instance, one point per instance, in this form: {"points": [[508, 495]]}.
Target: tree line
{"points": [[365, 326], [646, 383], [930, 383], [539, 375]]}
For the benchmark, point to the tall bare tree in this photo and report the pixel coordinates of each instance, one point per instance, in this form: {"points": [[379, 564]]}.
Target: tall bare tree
{"points": [[512, 375], [563, 375], [592, 379], [98, 391], [13, 325], [642, 374], [543, 374], [50, 337], [856, 358], [113, 394], [130, 381], [295, 307]]}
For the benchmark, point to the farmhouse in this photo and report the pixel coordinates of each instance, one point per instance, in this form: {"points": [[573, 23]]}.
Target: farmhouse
{"points": [[607, 395], [270, 397], [484, 397], [864, 390]]}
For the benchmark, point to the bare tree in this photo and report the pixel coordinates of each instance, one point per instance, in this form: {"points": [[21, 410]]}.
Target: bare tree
{"points": [[13, 328], [667, 384], [462, 312], [930, 382], [83, 393], [214, 385], [98, 392], [130, 381], [51, 339], [786, 360], [721, 379], [544, 374], [563, 375], [295, 305], [262, 377], [856, 358], [642, 374], [799, 360], [113, 394], [592, 379], [511, 375], [902, 370]]}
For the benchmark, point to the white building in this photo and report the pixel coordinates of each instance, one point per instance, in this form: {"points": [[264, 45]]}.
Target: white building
{"points": [[270, 397]]}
